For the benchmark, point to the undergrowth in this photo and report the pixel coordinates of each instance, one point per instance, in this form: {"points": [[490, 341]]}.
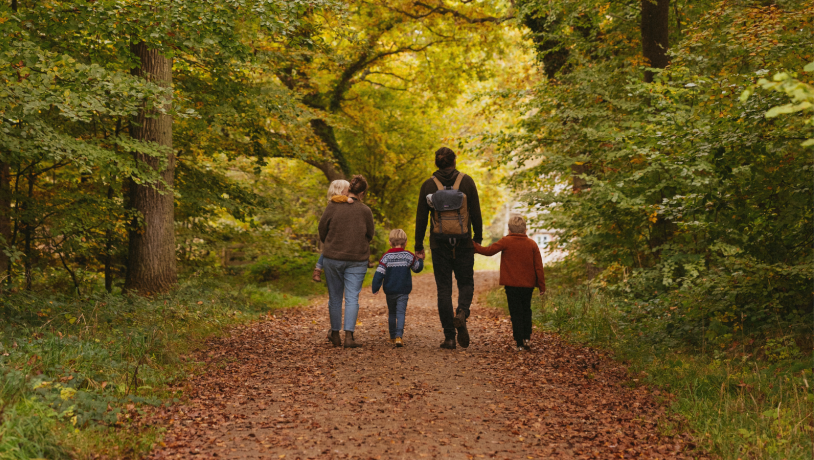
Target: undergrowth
{"points": [[747, 397], [74, 370]]}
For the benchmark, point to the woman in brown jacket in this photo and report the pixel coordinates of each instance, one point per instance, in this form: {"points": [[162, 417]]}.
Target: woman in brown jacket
{"points": [[521, 270], [346, 230]]}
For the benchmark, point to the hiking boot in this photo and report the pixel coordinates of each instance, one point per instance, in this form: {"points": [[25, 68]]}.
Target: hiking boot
{"points": [[316, 276], [463, 337], [349, 342], [334, 338], [448, 344], [459, 320], [399, 343]]}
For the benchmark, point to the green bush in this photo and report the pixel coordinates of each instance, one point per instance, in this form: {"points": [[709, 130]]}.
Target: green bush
{"points": [[270, 268]]}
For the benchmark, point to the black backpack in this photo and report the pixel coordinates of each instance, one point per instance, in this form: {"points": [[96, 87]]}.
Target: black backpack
{"points": [[450, 213]]}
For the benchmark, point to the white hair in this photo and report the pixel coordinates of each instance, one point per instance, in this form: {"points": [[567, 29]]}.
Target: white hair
{"points": [[338, 187]]}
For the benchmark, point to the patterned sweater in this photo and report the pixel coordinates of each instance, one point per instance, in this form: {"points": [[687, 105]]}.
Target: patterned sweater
{"points": [[394, 271]]}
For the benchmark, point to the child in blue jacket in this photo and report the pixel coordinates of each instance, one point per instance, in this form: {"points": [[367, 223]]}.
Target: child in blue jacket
{"points": [[394, 274]]}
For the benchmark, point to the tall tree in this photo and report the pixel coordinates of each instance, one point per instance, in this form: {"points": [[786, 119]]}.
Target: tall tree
{"points": [[151, 264], [5, 219], [655, 34]]}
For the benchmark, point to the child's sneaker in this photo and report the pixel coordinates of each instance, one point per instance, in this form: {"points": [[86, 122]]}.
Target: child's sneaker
{"points": [[399, 343], [316, 276], [393, 341], [519, 348], [527, 344]]}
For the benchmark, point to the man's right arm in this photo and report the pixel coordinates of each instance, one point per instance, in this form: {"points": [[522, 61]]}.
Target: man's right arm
{"points": [[421, 218]]}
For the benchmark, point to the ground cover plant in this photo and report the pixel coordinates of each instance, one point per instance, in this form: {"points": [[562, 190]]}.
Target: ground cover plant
{"points": [[743, 399], [76, 370]]}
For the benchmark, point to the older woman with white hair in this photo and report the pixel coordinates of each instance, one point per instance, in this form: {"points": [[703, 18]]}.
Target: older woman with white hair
{"points": [[346, 231], [521, 270], [337, 193]]}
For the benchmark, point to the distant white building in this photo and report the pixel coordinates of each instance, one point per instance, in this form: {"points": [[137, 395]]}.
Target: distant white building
{"points": [[546, 238], [547, 242]]}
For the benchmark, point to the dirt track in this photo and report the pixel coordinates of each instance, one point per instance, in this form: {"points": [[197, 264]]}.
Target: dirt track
{"points": [[277, 389]]}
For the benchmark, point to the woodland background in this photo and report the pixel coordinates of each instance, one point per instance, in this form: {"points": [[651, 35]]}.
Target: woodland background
{"points": [[669, 142]]}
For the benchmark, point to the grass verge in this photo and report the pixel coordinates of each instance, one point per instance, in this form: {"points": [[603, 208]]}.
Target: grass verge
{"points": [[748, 399], [75, 370]]}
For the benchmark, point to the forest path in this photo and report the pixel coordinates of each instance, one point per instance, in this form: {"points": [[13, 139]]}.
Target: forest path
{"points": [[277, 389]]}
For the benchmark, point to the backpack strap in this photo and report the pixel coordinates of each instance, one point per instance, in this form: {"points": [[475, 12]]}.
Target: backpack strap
{"points": [[458, 181], [437, 183]]}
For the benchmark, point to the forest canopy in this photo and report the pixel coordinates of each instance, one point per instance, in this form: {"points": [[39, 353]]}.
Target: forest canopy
{"points": [[135, 134]]}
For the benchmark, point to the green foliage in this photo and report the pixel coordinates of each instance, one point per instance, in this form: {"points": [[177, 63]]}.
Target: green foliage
{"points": [[77, 363], [271, 268], [687, 196]]}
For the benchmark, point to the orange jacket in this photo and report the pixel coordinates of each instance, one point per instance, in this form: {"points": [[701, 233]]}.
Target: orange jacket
{"points": [[521, 264]]}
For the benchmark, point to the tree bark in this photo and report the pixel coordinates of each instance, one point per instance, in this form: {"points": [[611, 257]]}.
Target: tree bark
{"points": [[340, 169], [151, 262], [28, 232], [5, 220], [655, 30]]}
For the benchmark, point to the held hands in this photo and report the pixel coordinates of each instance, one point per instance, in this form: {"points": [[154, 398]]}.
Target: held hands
{"points": [[377, 292], [420, 254]]}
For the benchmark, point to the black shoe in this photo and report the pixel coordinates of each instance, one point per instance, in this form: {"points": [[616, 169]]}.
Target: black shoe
{"points": [[448, 344], [463, 336], [459, 320]]}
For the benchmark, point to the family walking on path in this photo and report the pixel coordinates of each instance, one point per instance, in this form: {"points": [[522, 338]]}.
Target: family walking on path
{"points": [[265, 391], [448, 201]]}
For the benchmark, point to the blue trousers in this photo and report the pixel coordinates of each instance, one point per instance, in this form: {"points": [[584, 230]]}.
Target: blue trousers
{"points": [[396, 308], [320, 262], [344, 277]]}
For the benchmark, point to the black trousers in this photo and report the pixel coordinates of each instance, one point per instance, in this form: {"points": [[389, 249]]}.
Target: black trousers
{"points": [[519, 299], [447, 260]]}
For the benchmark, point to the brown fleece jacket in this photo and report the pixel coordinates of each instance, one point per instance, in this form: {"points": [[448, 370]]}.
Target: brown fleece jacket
{"points": [[521, 264], [346, 230]]}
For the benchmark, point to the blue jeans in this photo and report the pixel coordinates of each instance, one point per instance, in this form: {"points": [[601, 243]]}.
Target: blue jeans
{"points": [[344, 277], [396, 307], [320, 262]]}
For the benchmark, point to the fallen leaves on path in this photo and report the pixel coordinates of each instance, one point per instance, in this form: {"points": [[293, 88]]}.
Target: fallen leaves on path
{"points": [[277, 389]]}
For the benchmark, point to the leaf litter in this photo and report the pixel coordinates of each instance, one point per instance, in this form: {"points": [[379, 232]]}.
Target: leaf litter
{"points": [[277, 389]]}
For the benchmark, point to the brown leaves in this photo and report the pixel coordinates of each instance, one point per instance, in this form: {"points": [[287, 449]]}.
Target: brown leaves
{"points": [[277, 388]]}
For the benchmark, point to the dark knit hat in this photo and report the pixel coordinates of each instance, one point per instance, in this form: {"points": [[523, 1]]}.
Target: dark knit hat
{"points": [[444, 158]]}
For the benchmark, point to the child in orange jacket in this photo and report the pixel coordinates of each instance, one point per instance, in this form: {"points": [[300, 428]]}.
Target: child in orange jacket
{"points": [[521, 270]]}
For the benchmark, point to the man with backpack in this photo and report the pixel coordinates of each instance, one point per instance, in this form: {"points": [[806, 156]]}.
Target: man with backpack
{"points": [[450, 198]]}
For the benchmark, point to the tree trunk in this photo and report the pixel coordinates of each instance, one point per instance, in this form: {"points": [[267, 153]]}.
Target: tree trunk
{"points": [[325, 132], [109, 248], [655, 34], [151, 264], [28, 232], [5, 220], [579, 184]]}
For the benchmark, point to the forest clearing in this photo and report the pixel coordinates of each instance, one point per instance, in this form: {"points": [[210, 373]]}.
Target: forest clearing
{"points": [[194, 193]]}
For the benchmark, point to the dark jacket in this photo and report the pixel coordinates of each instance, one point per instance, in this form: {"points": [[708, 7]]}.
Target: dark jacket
{"points": [[447, 178], [346, 230], [393, 272]]}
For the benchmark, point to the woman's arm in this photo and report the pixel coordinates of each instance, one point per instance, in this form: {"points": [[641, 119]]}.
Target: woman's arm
{"points": [[538, 269], [371, 227], [491, 250], [324, 224]]}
